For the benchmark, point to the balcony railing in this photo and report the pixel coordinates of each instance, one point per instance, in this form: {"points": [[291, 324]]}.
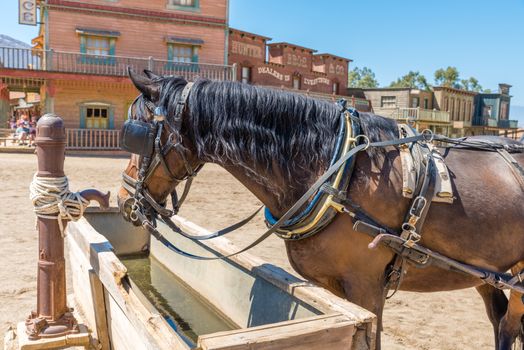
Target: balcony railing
{"points": [[92, 139], [416, 114], [508, 124], [70, 62]]}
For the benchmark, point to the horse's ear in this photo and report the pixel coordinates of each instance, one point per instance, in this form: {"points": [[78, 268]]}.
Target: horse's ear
{"points": [[151, 75], [147, 87]]}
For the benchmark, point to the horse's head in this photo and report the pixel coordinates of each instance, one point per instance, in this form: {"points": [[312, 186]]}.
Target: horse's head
{"points": [[161, 156]]}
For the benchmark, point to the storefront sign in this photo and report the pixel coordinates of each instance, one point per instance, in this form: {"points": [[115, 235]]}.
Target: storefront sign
{"points": [[244, 49], [336, 69], [274, 73], [27, 12], [316, 81], [296, 60]]}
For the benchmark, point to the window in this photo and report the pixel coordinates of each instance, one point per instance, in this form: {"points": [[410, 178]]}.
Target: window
{"points": [[415, 102], [452, 109], [190, 3], [426, 103], [504, 110], [446, 104], [388, 101], [96, 118], [182, 53], [335, 88], [246, 75], [296, 82], [183, 5], [96, 115], [97, 45], [486, 111]]}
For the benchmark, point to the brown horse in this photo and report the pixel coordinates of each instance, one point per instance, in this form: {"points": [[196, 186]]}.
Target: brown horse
{"points": [[277, 144]]}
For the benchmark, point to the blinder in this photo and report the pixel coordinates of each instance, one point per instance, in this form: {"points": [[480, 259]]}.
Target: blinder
{"points": [[144, 139], [138, 137]]}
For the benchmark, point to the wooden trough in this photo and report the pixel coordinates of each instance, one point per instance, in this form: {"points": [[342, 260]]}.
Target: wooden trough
{"points": [[265, 307]]}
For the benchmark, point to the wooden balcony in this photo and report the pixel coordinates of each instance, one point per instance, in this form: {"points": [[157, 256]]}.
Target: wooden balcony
{"points": [[431, 116], [71, 62], [508, 124], [92, 139]]}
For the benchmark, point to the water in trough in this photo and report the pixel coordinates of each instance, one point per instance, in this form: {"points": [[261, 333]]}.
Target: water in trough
{"points": [[188, 314]]}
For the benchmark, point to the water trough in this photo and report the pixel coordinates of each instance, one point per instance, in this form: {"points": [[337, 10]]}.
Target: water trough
{"points": [[136, 294]]}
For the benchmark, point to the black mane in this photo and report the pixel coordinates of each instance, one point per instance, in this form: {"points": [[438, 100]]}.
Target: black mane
{"points": [[269, 133]]}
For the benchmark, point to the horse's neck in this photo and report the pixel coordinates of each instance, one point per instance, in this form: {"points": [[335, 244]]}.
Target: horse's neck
{"points": [[265, 195], [376, 188]]}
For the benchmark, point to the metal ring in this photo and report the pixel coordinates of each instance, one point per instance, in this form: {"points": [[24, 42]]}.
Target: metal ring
{"points": [[366, 139], [428, 135]]}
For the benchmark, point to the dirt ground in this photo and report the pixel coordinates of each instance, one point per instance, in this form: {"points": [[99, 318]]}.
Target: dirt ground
{"points": [[447, 320]]}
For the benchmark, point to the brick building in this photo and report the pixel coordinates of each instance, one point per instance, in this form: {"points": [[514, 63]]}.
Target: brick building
{"points": [[288, 66], [80, 57]]}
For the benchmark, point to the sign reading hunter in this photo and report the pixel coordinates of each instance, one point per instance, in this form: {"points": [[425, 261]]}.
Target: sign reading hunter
{"points": [[27, 12]]}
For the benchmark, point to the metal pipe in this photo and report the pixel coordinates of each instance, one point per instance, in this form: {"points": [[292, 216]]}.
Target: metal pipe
{"points": [[53, 317]]}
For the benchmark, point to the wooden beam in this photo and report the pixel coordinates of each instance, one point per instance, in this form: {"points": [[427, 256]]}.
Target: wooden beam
{"points": [[334, 332]]}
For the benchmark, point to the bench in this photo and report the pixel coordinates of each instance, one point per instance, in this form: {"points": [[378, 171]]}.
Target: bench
{"points": [[13, 139]]}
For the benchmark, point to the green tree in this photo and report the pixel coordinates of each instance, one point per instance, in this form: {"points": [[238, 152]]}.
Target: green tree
{"points": [[447, 77], [362, 78], [471, 84], [413, 80]]}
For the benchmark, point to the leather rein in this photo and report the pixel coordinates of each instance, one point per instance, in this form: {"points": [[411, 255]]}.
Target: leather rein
{"points": [[142, 207]]}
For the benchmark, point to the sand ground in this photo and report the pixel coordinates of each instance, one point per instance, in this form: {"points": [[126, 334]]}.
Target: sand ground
{"points": [[447, 320]]}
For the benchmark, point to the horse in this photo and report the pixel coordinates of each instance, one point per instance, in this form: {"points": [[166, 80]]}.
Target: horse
{"points": [[277, 144]]}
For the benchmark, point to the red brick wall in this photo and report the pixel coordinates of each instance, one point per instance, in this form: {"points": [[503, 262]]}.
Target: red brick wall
{"points": [[69, 95], [140, 36], [207, 8], [317, 72]]}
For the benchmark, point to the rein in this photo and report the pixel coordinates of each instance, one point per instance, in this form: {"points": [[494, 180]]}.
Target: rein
{"points": [[137, 138]]}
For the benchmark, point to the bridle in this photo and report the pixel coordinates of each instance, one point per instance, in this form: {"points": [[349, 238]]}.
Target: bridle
{"points": [[145, 140]]}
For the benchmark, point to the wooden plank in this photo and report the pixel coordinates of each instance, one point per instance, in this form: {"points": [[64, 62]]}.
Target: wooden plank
{"points": [[334, 332], [150, 325], [99, 305], [318, 297]]}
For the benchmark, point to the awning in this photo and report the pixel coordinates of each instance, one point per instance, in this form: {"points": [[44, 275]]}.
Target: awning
{"points": [[187, 41], [98, 32]]}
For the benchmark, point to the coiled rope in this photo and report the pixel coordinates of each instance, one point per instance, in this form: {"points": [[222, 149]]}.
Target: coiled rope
{"points": [[52, 200]]}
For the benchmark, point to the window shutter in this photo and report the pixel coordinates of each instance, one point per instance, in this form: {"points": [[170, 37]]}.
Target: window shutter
{"points": [[83, 44], [111, 117], [112, 47], [82, 117]]}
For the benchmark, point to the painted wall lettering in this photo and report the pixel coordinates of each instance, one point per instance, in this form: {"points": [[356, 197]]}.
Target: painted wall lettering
{"points": [[27, 12], [336, 69], [274, 73], [244, 49], [313, 82], [296, 60]]}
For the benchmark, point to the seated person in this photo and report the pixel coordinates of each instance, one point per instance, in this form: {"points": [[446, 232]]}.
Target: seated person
{"points": [[23, 129]]}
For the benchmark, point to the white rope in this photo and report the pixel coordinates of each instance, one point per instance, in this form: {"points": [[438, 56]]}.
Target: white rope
{"points": [[52, 200]]}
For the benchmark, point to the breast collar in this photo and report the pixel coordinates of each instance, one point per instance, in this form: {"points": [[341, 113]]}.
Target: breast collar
{"points": [[326, 203]]}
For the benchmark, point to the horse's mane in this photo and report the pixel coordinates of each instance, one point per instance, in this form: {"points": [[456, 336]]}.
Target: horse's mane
{"points": [[268, 132]]}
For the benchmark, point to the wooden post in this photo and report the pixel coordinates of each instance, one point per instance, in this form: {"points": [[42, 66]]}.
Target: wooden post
{"points": [[52, 317]]}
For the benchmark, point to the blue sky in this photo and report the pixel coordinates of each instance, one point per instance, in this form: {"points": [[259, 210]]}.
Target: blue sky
{"points": [[482, 38]]}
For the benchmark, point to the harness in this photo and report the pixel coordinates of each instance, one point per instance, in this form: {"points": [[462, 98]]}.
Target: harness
{"points": [[318, 206]]}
